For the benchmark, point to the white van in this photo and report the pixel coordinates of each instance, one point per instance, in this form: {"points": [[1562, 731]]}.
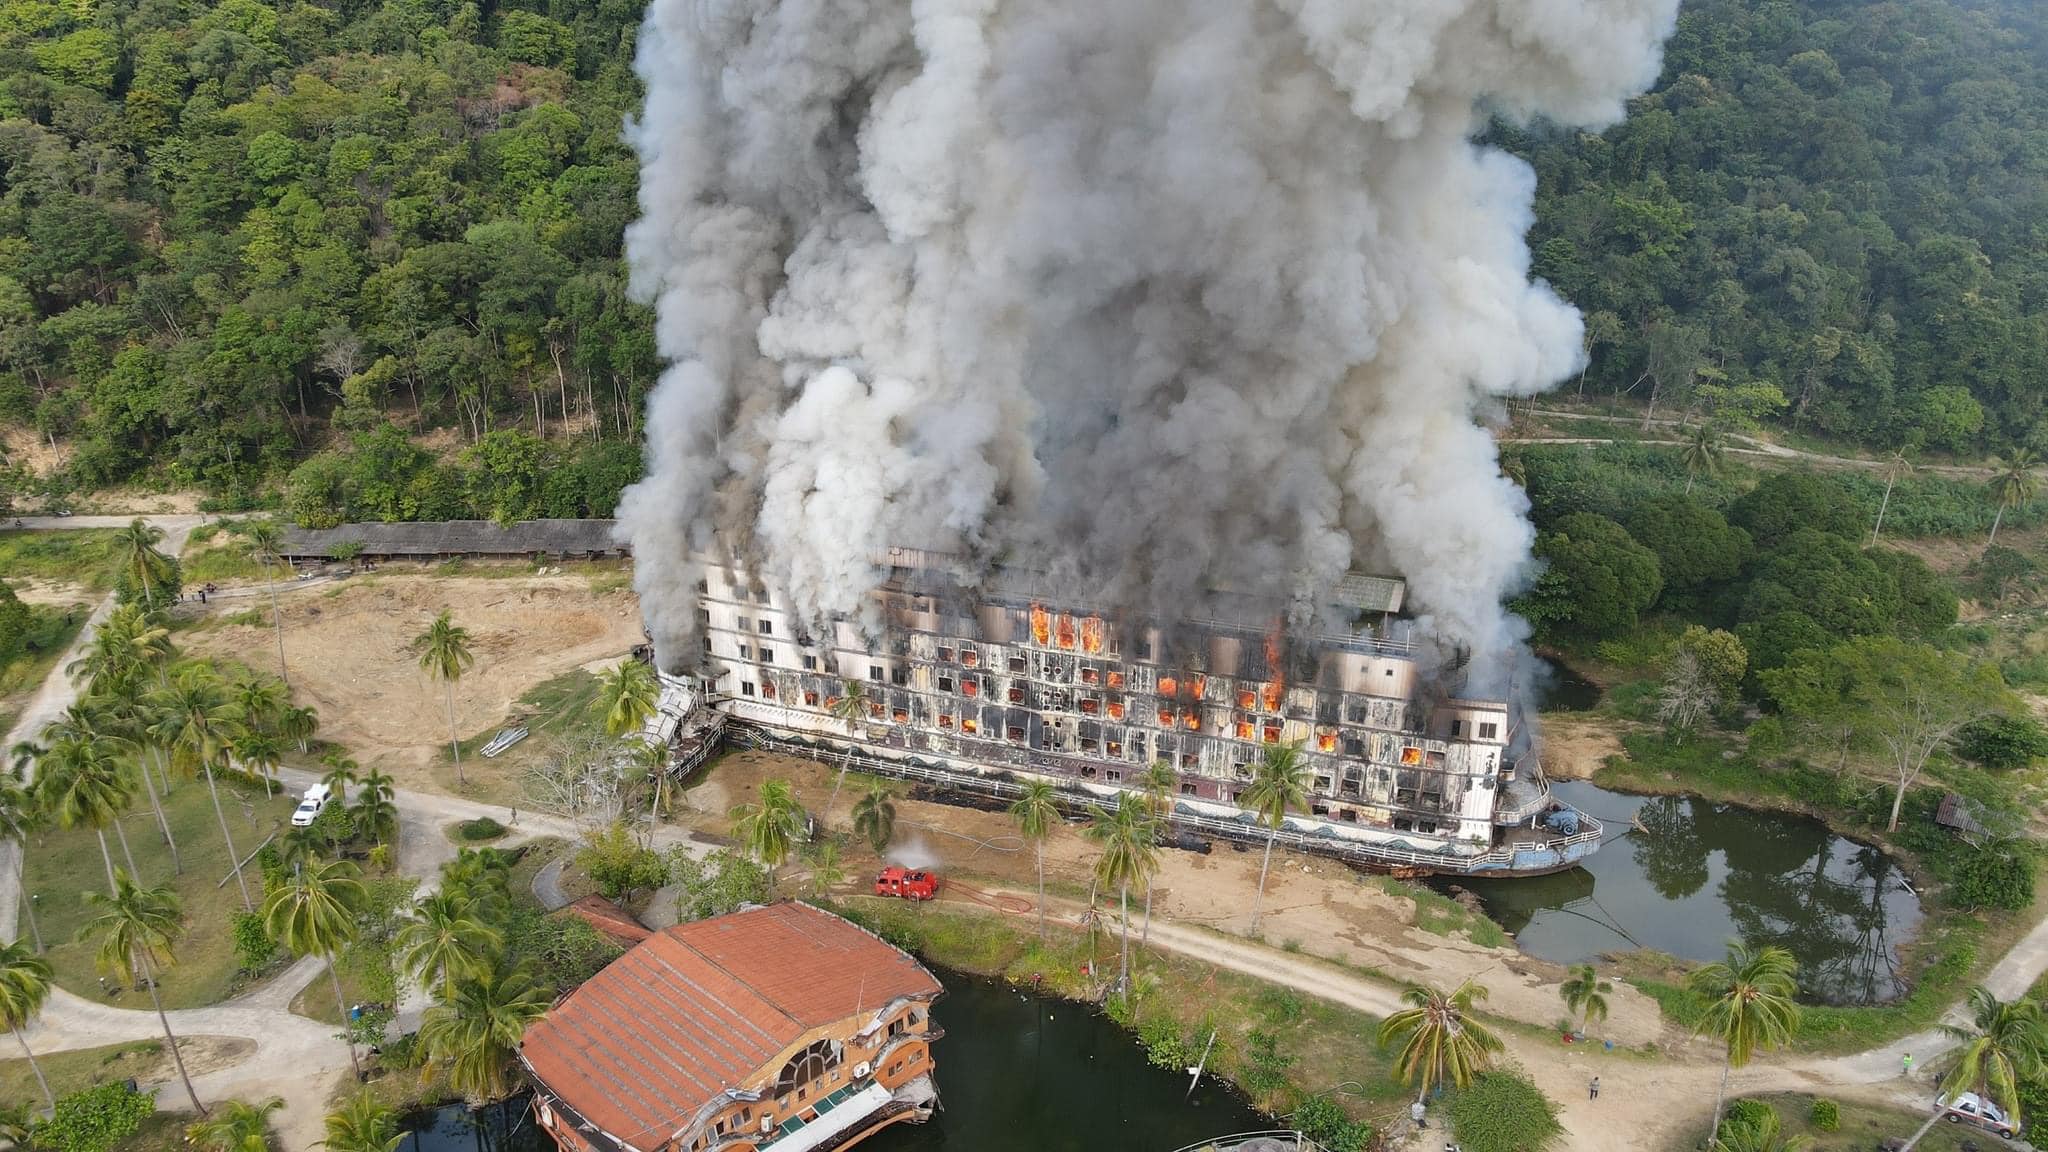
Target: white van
{"points": [[310, 805], [1970, 1108]]}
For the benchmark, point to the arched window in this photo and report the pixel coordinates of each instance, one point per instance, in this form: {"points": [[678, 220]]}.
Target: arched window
{"points": [[807, 1065]]}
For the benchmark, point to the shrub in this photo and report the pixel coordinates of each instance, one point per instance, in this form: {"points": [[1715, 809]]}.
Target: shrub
{"points": [[481, 828], [2003, 742], [1826, 1114], [1503, 1112], [1265, 1066], [718, 884], [620, 865], [1998, 875], [95, 1119], [253, 945], [1279, 1005], [1323, 1121], [1747, 1113], [1165, 1047]]}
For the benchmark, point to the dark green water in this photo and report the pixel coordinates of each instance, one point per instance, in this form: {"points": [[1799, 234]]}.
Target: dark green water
{"points": [[1017, 1073], [1560, 688], [1705, 873]]}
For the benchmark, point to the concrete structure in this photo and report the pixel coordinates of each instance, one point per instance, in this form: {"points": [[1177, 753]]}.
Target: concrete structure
{"points": [[450, 539], [783, 1028], [978, 688]]}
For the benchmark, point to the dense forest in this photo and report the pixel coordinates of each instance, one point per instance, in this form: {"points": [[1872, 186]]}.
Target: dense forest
{"points": [[1831, 214], [364, 258]]}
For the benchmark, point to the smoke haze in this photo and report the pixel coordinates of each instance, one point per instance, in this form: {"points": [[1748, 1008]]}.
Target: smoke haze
{"points": [[1160, 295]]}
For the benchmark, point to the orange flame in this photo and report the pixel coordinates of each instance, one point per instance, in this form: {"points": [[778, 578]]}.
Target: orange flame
{"points": [[1041, 626], [1064, 633], [1168, 686], [1166, 717], [1194, 722], [1116, 679], [1116, 709], [1277, 686], [1244, 729], [1091, 634], [1326, 741], [1200, 686], [1247, 698]]}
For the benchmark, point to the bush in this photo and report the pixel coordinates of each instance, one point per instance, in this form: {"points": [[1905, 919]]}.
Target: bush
{"points": [[481, 828], [620, 865], [2003, 742], [253, 945], [1323, 1121], [1998, 875], [1265, 1066], [1165, 1047], [1747, 1113], [1503, 1112], [718, 884], [1826, 1114], [95, 1119]]}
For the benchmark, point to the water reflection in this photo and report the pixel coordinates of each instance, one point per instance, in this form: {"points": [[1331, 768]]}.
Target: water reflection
{"points": [[1694, 874]]}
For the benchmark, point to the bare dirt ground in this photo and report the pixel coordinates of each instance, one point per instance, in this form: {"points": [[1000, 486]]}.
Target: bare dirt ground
{"points": [[1318, 906], [1574, 746], [348, 649]]}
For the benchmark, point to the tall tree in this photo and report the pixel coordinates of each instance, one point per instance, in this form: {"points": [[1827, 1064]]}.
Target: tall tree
{"points": [[627, 694], [2013, 485], [1585, 995], [444, 654], [121, 712], [850, 707], [135, 548], [874, 816], [1701, 453], [265, 539], [475, 1029], [137, 929], [447, 939], [1439, 1040], [196, 719], [771, 827], [1279, 782], [1158, 780], [1125, 835], [86, 785], [1036, 812], [22, 812], [376, 811], [313, 913], [25, 981], [1895, 465], [2004, 1045], [1750, 1007]]}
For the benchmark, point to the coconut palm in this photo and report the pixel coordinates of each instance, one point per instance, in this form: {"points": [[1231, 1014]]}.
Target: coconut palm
{"points": [[446, 940], [874, 816], [119, 711], [258, 751], [2012, 485], [298, 725], [2004, 1045], [22, 812], [84, 784], [1895, 465], [651, 758], [1761, 1134], [313, 913], [827, 872], [1750, 1006], [1280, 782], [850, 707], [1585, 995], [363, 1123], [1701, 453], [476, 1027], [376, 811], [262, 701], [1036, 812], [137, 929], [17, 1124], [481, 874], [628, 694], [24, 987], [340, 774], [195, 719], [445, 655], [1158, 780], [1440, 1041], [770, 828], [1128, 857], [236, 1127], [137, 557], [265, 538]]}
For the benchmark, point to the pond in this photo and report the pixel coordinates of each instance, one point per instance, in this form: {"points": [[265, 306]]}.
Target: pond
{"points": [[1017, 1073], [1697, 874], [1560, 688]]}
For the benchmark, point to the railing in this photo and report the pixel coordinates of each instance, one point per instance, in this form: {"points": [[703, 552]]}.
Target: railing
{"points": [[1287, 1137], [1074, 801]]}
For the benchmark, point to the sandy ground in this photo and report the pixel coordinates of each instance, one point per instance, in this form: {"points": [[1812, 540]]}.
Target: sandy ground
{"points": [[1318, 906], [348, 649], [1574, 746]]}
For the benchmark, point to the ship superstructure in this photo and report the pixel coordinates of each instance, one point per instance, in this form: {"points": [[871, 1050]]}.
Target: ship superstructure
{"points": [[980, 687]]}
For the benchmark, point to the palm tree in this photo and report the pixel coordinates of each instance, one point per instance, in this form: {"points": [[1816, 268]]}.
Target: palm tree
{"points": [[376, 811], [850, 707], [264, 538], [1128, 857], [651, 757], [1759, 1135], [1036, 811], [196, 720], [17, 1124], [139, 560], [22, 812], [259, 751], [826, 871], [445, 655], [2013, 485], [628, 694], [84, 783], [136, 928], [2005, 1044], [237, 1127], [1440, 1040], [262, 701], [1585, 995], [874, 816], [1701, 453], [24, 987], [119, 711], [341, 772], [1280, 782], [1898, 462], [476, 1027], [770, 828], [298, 725], [446, 940], [1158, 780], [363, 1124], [313, 913], [1751, 1006]]}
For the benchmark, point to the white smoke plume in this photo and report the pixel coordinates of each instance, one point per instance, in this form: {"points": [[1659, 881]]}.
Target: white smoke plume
{"points": [[1163, 295]]}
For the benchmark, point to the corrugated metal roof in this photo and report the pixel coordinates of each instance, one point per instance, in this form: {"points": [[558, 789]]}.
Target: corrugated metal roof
{"points": [[453, 537]]}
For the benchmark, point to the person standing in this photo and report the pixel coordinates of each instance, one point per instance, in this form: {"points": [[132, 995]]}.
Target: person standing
{"points": [[1908, 1063], [1593, 1089], [1416, 1111]]}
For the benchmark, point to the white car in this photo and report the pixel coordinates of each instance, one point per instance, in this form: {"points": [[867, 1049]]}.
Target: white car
{"points": [[1970, 1108], [310, 805]]}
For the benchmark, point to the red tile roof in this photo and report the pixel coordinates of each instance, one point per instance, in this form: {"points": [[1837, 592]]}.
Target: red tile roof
{"points": [[703, 1007], [607, 918]]}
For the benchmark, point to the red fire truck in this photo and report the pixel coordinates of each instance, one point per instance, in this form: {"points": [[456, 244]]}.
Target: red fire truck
{"points": [[909, 883]]}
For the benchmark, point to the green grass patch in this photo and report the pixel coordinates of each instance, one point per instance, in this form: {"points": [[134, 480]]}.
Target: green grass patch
{"points": [[64, 864], [1439, 915], [80, 556], [70, 1072], [1864, 1125], [476, 831], [227, 560], [51, 631]]}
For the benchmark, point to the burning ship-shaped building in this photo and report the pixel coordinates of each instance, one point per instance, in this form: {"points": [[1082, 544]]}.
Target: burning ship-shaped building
{"points": [[975, 689]]}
